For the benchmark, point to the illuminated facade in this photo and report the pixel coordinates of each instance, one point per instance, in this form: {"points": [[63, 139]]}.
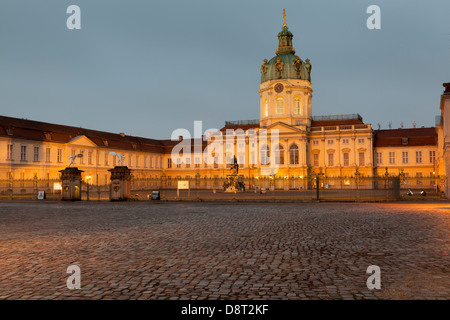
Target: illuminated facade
{"points": [[338, 146]]}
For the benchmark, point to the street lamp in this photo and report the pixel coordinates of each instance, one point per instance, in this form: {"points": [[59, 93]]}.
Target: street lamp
{"points": [[386, 183], [88, 180], [357, 174], [317, 176]]}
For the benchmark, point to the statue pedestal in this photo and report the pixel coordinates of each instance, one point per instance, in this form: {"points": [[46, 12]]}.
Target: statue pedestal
{"points": [[234, 183], [120, 183], [71, 184]]}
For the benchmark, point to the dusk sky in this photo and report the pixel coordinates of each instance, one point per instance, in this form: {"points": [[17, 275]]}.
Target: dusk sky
{"points": [[146, 68]]}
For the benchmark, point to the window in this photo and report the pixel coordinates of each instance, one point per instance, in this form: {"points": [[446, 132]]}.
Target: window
{"points": [[229, 160], [293, 154], [379, 158], [297, 105], [169, 163], [48, 154], [197, 162], [331, 159], [280, 105], [266, 108], [178, 162], [265, 155], [187, 161], [315, 142], [418, 156], [432, 157], [361, 158], [391, 157], [138, 161], [59, 156], [361, 140], [241, 160], [36, 154], [228, 145], [279, 154], [315, 159], [9, 154], [405, 157], [344, 141], [23, 153], [330, 142], [90, 157], [82, 157], [106, 158], [346, 159]]}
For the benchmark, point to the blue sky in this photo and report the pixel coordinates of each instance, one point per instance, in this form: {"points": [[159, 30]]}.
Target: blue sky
{"points": [[147, 68]]}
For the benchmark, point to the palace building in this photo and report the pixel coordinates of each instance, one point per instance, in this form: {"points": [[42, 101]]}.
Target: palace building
{"points": [[336, 145]]}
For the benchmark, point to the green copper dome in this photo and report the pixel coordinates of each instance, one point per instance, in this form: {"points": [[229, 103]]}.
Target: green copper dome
{"points": [[285, 65]]}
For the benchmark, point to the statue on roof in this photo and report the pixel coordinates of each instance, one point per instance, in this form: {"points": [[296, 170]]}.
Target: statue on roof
{"points": [[308, 67], [264, 66], [297, 65]]}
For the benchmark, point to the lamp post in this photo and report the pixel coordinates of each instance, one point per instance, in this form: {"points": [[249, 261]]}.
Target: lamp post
{"points": [[314, 176], [163, 183], [11, 185], [357, 174], [317, 176], [386, 183], [88, 180]]}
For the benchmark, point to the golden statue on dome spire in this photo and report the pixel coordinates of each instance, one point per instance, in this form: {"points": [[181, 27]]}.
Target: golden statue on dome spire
{"points": [[284, 18]]}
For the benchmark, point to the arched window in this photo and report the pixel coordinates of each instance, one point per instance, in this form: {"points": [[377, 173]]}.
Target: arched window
{"points": [[266, 108], [298, 105], [280, 105], [279, 154], [265, 155], [293, 154]]}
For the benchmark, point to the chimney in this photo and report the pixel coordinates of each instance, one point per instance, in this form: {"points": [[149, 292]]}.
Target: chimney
{"points": [[122, 134], [447, 88]]}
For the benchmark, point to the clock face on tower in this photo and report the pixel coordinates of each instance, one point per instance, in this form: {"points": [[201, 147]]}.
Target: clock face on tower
{"points": [[279, 88]]}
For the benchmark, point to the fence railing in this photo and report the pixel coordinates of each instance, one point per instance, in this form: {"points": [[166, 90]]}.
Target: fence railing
{"points": [[307, 188]]}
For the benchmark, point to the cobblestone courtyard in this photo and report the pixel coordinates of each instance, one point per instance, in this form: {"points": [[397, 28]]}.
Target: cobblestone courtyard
{"points": [[148, 250]]}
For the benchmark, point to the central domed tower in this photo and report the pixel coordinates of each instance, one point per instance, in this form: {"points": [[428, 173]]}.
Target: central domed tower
{"points": [[285, 90]]}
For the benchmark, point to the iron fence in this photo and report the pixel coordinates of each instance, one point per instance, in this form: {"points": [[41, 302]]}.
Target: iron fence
{"points": [[314, 187]]}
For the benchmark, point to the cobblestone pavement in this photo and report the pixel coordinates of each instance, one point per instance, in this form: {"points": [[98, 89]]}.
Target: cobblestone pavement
{"points": [[149, 250]]}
